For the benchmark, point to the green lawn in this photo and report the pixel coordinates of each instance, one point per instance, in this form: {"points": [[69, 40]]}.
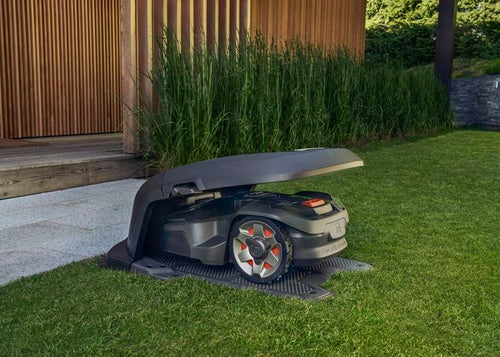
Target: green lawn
{"points": [[424, 212]]}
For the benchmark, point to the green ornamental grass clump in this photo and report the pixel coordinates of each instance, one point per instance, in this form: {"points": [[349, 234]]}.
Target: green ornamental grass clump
{"points": [[258, 97]]}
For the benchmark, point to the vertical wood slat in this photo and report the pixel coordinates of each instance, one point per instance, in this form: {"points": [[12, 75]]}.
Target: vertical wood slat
{"points": [[159, 19], [129, 75], [199, 29], [244, 18], [211, 35], [15, 67], [76, 63], [233, 22], [144, 49], [329, 24], [186, 25], [93, 64], [172, 16], [59, 68], [223, 5]]}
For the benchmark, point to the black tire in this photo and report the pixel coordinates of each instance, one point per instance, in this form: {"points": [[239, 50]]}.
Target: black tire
{"points": [[276, 258]]}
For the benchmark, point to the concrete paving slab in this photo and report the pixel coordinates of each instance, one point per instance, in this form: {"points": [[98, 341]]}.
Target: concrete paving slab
{"points": [[94, 217], [31, 236], [41, 232], [107, 187], [31, 215], [90, 243], [27, 202], [19, 263]]}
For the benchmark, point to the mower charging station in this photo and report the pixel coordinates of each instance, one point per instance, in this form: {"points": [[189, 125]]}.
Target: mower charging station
{"points": [[206, 220]]}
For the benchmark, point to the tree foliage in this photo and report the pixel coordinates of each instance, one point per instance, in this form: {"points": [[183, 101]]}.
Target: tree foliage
{"points": [[406, 29], [425, 12]]}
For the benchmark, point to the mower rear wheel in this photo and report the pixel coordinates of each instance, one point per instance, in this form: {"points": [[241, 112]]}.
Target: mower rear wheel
{"points": [[259, 249]]}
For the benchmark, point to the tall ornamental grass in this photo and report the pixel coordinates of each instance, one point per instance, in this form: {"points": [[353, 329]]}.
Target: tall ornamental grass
{"points": [[258, 98]]}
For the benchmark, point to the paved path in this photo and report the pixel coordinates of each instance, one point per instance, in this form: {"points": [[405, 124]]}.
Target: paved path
{"points": [[41, 232]]}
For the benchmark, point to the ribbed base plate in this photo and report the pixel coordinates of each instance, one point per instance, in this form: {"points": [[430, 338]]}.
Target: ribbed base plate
{"points": [[301, 282]]}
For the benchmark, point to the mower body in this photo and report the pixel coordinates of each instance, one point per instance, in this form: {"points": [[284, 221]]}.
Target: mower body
{"points": [[200, 211], [200, 227]]}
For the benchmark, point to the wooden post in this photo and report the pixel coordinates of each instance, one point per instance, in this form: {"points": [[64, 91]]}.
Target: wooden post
{"points": [[444, 41], [129, 76]]}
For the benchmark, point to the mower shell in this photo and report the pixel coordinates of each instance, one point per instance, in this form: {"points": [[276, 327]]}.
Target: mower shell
{"points": [[190, 210]]}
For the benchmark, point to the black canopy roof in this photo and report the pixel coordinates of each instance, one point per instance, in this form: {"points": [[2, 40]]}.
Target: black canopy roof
{"points": [[253, 169]]}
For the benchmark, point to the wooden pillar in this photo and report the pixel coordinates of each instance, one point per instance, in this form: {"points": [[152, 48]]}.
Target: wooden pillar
{"points": [[444, 41], [129, 76]]}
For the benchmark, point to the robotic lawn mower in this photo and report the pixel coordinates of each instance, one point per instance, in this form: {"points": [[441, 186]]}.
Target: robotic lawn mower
{"points": [[209, 212]]}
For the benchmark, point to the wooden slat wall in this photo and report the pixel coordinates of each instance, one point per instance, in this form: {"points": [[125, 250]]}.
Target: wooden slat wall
{"points": [[199, 22], [59, 67], [327, 23]]}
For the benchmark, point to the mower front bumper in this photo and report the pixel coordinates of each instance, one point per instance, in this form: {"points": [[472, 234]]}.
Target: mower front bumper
{"points": [[311, 249]]}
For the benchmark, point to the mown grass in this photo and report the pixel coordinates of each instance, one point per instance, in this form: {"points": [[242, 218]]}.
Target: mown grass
{"points": [[423, 212], [258, 98]]}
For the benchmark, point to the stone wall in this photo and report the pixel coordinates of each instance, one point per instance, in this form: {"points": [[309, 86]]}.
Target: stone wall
{"points": [[476, 101]]}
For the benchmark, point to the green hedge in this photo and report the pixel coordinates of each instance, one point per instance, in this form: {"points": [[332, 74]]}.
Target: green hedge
{"points": [[406, 30], [414, 44], [259, 99], [411, 44]]}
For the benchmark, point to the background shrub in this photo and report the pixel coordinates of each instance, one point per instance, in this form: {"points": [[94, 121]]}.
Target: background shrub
{"points": [[258, 98], [406, 30], [410, 44], [493, 67]]}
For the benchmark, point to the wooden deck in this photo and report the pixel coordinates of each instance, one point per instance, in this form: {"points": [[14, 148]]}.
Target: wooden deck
{"points": [[64, 162]]}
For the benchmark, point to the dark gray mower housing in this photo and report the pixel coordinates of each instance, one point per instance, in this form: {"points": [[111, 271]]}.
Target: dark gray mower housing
{"points": [[208, 211]]}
